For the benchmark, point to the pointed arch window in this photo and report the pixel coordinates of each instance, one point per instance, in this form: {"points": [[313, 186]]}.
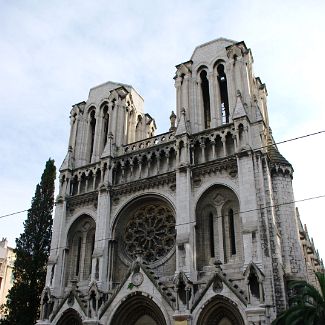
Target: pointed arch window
{"points": [[222, 80], [105, 125], [81, 240], [232, 232], [92, 127], [211, 233], [205, 98]]}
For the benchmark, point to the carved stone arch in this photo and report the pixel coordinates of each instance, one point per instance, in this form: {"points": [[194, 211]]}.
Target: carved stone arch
{"points": [[90, 108], [211, 186], [134, 198], [220, 310], [76, 216], [217, 62], [148, 224], [80, 245], [200, 67], [70, 317], [254, 278], [214, 227], [102, 104], [134, 309], [144, 224]]}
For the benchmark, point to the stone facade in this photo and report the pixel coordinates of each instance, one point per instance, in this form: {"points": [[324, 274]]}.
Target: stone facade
{"points": [[7, 259], [193, 226]]}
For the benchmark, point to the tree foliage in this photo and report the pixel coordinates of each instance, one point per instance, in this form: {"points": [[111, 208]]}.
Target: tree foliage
{"points": [[308, 304], [32, 251]]}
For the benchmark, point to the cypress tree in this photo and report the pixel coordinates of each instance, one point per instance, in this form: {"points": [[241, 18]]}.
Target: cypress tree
{"points": [[32, 251]]}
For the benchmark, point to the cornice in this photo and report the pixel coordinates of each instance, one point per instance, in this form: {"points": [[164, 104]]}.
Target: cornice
{"points": [[143, 184], [82, 199]]}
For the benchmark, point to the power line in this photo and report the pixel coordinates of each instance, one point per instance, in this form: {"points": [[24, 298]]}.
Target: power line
{"points": [[11, 214], [238, 213], [301, 137], [191, 222], [276, 143]]}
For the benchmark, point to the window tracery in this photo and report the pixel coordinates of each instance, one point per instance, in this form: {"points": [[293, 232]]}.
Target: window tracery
{"points": [[81, 240], [151, 228], [218, 227]]}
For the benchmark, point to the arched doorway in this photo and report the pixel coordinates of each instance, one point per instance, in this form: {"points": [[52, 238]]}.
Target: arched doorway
{"points": [[70, 317], [220, 311], [138, 310]]}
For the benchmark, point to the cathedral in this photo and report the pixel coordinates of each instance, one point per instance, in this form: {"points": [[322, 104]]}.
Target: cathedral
{"points": [[195, 226]]}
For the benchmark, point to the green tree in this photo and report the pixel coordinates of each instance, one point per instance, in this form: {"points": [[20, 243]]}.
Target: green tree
{"points": [[308, 304], [32, 251]]}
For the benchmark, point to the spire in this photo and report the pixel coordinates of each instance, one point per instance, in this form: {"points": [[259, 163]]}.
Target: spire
{"points": [[182, 126], [68, 160], [108, 148], [239, 110]]}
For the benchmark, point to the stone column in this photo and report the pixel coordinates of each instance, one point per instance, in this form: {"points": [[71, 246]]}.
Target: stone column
{"points": [[102, 234], [213, 107], [178, 86], [199, 106]]}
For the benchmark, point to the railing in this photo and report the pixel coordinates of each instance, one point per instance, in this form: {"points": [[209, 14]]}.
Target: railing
{"points": [[147, 143]]}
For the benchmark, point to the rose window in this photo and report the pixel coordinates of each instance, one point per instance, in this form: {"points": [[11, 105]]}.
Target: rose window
{"points": [[150, 229]]}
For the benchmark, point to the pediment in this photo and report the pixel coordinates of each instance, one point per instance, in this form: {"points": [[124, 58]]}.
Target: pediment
{"points": [[218, 284]]}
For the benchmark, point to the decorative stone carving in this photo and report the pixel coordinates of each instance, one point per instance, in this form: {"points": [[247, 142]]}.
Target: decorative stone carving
{"points": [[151, 228], [219, 199], [217, 285]]}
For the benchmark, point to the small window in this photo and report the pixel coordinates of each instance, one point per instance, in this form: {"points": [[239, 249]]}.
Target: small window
{"points": [[106, 123], [211, 231], [222, 79], [92, 133], [206, 98], [232, 232]]}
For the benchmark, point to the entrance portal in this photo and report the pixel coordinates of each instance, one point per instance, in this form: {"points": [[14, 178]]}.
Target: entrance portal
{"points": [[70, 317], [138, 310], [220, 311]]}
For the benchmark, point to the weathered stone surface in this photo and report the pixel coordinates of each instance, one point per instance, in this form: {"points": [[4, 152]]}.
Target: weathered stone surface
{"points": [[181, 226]]}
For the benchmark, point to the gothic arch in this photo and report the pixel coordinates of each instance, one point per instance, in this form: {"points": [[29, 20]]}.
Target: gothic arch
{"points": [[134, 199], [80, 246], [218, 227], [146, 223], [145, 226], [220, 310], [137, 307], [70, 317], [211, 183]]}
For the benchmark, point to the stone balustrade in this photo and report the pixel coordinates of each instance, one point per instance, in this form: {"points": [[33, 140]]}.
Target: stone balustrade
{"points": [[158, 155]]}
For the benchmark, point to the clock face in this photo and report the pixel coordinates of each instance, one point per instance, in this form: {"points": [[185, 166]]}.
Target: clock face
{"points": [[137, 278]]}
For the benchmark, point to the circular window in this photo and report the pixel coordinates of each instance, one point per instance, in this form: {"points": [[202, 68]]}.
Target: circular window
{"points": [[151, 229]]}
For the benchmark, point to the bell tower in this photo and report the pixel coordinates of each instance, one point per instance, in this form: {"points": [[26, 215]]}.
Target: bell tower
{"points": [[208, 86], [111, 117]]}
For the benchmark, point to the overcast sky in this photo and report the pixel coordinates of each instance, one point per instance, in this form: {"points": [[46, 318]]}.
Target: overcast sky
{"points": [[53, 52]]}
